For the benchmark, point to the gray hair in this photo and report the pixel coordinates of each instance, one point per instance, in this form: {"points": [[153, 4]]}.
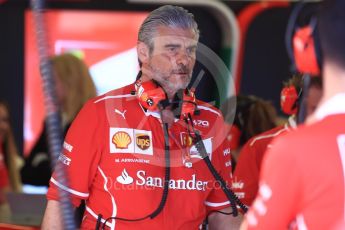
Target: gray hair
{"points": [[168, 15]]}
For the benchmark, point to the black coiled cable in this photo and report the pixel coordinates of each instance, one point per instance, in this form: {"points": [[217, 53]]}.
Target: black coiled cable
{"points": [[53, 120], [165, 188], [199, 144], [167, 172]]}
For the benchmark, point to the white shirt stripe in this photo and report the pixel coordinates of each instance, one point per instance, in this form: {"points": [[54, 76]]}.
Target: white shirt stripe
{"points": [[69, 189], [267, 136], [211, 204], [208, 109], [290, 124], [112, 197], [301, 223], [111, 97]]}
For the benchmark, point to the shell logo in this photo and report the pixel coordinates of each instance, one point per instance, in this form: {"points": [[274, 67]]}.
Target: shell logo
{"points": [[121, 140]]}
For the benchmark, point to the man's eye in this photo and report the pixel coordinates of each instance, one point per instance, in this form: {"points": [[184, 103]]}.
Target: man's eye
{"points": [[172, 49], [191, 50]]}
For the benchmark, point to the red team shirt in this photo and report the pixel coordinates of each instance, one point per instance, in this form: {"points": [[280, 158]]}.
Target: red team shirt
{"points": [[114, 158], [4, 182], [302, 179], [246, 175]]}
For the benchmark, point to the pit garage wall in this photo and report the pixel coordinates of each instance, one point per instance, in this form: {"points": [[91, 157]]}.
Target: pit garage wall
{"points": [[265, 62]]}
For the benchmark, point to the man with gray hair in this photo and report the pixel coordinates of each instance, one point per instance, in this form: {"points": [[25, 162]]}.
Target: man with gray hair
{"points": [[134, 154]]}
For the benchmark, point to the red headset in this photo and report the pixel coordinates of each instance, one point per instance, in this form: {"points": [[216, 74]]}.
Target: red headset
{"points": [[152, 96], [289, 100], [305, 53], [303, 43]]}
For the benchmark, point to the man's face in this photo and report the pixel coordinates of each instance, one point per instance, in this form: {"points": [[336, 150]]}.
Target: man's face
{"points": [[172, 60]]}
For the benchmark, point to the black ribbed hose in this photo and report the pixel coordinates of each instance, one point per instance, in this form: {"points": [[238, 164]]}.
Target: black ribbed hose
{"points": [[53, 121]]}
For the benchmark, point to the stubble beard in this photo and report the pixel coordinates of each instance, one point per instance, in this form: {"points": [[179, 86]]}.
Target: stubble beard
{"points": [[171, 87]]}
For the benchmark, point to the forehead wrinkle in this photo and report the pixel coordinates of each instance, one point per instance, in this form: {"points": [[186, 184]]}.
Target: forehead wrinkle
{"points": [[175, 41]]}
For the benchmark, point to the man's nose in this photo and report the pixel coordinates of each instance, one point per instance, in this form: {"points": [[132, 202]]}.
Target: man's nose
{"points": [[183, 58]]}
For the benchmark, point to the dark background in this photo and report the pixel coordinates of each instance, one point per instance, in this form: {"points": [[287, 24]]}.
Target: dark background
{"points": [[265, 63]]}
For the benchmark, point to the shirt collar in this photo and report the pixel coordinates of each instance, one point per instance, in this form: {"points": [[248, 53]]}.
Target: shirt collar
{"points": [[155, 114], [152, 113], [335, 105]]}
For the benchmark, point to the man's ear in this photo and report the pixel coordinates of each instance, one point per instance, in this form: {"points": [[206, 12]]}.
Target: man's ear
{"points": [[143, 52]]}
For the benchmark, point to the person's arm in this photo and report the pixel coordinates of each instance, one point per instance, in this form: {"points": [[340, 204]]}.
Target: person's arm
{"points": [[277, 201], [246, 174], [217, 200], [52, 216], [79, 157], [244, 225], [219, 221]]}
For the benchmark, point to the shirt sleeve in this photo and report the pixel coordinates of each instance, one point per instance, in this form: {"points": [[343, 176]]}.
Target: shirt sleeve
{"points": [[79, 157], [277, 197], [221, 160], [4, 182], [246, 175]]}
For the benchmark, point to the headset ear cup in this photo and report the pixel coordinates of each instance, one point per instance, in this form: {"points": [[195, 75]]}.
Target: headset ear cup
{"points": [[189, 102], [288, 100], [184, 103], [150, 94], [305, 51]]}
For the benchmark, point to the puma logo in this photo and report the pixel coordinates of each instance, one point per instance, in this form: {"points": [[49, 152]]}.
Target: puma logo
{"points": [[121, 113]]}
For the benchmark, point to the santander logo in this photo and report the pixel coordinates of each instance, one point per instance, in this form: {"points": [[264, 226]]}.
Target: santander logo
{"points": [[124, 178], [145, 180]]}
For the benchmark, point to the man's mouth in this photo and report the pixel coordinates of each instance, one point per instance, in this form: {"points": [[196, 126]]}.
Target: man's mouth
{"points": [[181, 72]]}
